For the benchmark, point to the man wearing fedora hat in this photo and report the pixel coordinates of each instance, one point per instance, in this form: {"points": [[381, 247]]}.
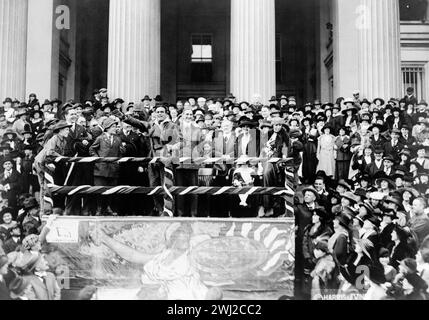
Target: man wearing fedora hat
{"points": [[44, 285], [54, 147]]}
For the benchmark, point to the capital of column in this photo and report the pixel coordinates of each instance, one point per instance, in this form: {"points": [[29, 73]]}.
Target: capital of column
{"points": [[134, 63], [253, 49]]}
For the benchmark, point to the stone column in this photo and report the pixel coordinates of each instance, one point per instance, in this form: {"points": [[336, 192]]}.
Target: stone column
{"points": [[42, 71], [367, 48], [345, 47], [13, 48], [379, 54], [134, 63], [253, 49]]}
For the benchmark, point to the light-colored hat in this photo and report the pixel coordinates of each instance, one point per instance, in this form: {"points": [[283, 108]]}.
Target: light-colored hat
{"points": [[107, 123], [348, 100], [376, 195]]}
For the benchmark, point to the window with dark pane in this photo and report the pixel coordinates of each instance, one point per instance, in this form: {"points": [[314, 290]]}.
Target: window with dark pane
{"points": [[202, 58], [413, 10]]}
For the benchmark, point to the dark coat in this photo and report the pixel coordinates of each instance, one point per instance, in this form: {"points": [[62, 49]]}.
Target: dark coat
{"points": [[10, 245], [399, 253], [372, 169], [82, 172], [14, 181], [281, 144], [410, 141], [379, 143], [103, 148], [74, 142], [309, 241], [309, 158], [410, 99], [128, 171], [4, 291], [303, 218], [386, 236], [391, 120], [343, 149], [393, 150], [337, 122], [341, 249]]}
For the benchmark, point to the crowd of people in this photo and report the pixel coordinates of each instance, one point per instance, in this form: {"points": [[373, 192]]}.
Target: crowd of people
{"points": [[360, 169]]}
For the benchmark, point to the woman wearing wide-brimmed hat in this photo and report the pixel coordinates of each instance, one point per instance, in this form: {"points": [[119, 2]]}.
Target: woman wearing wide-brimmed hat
{"points": [[339, 241], [407, 195], [350, 113], [385, 184]]}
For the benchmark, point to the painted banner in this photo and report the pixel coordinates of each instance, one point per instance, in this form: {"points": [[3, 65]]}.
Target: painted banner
{"points": [[178, 259]]}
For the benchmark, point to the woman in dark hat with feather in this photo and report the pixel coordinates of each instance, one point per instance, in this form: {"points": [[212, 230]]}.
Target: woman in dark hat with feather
{"points": [[318, 230]]}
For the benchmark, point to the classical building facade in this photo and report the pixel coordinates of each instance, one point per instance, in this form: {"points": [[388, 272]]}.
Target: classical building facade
{"points": [[309, 48]]}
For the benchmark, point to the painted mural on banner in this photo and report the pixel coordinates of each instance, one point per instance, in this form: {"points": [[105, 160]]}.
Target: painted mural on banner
{"points": [[186, 259]]}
